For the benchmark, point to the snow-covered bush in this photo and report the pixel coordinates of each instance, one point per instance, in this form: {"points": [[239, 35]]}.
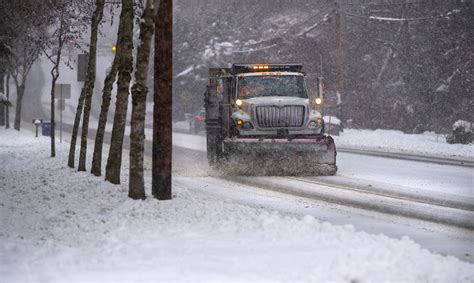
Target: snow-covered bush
{"points": [[462, 133]]}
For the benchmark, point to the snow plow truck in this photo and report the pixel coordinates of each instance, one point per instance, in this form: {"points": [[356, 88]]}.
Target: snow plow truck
{"points": [[261, 120]]}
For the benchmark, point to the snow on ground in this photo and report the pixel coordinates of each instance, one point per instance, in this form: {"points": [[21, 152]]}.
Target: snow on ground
{"points": [[61, 225], [390, 140]]}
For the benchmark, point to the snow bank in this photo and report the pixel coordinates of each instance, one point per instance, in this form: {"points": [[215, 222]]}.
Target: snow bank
{"points": [[466, 125], [390, 140], [61, 225]]}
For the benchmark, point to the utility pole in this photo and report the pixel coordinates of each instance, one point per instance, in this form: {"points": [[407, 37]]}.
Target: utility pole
{"points": [[339, 70], [61, 105], [2, 106], [162, 132]]}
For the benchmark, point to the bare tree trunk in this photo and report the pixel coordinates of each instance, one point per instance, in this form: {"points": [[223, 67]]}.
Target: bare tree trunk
{"points": [[104, 110], [2, 87], [139, 92], [99, 138], [90, 80], [114, 161], [7, 119], [162, 135], [75, 129], [20, 91], [55, 75]]}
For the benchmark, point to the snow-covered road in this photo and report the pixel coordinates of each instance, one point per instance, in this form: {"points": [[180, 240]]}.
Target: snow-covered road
{"points": [[408, 174], [378, 171]]}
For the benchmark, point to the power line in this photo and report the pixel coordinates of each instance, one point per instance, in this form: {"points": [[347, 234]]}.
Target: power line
{"points": [[315, 25], [254, 50], [386, 4], [375, 18], [318, 14], [292, 28], [274, 41]]}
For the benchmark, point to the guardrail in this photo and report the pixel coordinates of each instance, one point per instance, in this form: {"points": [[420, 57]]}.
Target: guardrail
{"points": [[444, 160]]}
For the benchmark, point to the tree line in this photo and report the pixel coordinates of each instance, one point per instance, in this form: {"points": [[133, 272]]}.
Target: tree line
{"points": [[30, 28], [406, 65]]}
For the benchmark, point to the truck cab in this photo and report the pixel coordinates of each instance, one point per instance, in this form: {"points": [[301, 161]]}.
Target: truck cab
{"points": [[272, 100]]}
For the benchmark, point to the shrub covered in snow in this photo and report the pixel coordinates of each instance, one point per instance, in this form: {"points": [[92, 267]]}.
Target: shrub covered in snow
{"points": [[462, 133]]}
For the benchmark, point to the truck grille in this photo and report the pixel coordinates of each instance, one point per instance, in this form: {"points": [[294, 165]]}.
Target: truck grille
{"points": [[277, 117]]}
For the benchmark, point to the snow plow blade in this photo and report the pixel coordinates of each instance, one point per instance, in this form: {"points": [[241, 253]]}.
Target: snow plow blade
{"points": [[288, 157]]}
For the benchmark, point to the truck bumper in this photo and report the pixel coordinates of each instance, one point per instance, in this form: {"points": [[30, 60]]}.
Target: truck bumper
{"points": [[304, 156]]}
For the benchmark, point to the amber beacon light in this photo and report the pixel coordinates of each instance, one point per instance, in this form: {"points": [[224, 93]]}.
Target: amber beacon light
{"points": [[260, 67]]}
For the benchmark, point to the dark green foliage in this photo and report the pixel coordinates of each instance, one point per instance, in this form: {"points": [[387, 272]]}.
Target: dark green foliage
{"points": [[460, 135]]}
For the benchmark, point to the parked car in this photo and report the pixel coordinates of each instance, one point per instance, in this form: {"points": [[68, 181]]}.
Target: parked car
{"points": [[336, 126], [197, 122]]}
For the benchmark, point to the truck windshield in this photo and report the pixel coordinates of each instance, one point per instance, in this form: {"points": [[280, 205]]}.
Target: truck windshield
{"points": [[258, 86]]}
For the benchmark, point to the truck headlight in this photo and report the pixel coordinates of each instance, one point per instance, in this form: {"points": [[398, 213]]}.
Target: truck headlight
{"points": [[238, 102], [314, 124], [318, 100], [246, 125]]}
